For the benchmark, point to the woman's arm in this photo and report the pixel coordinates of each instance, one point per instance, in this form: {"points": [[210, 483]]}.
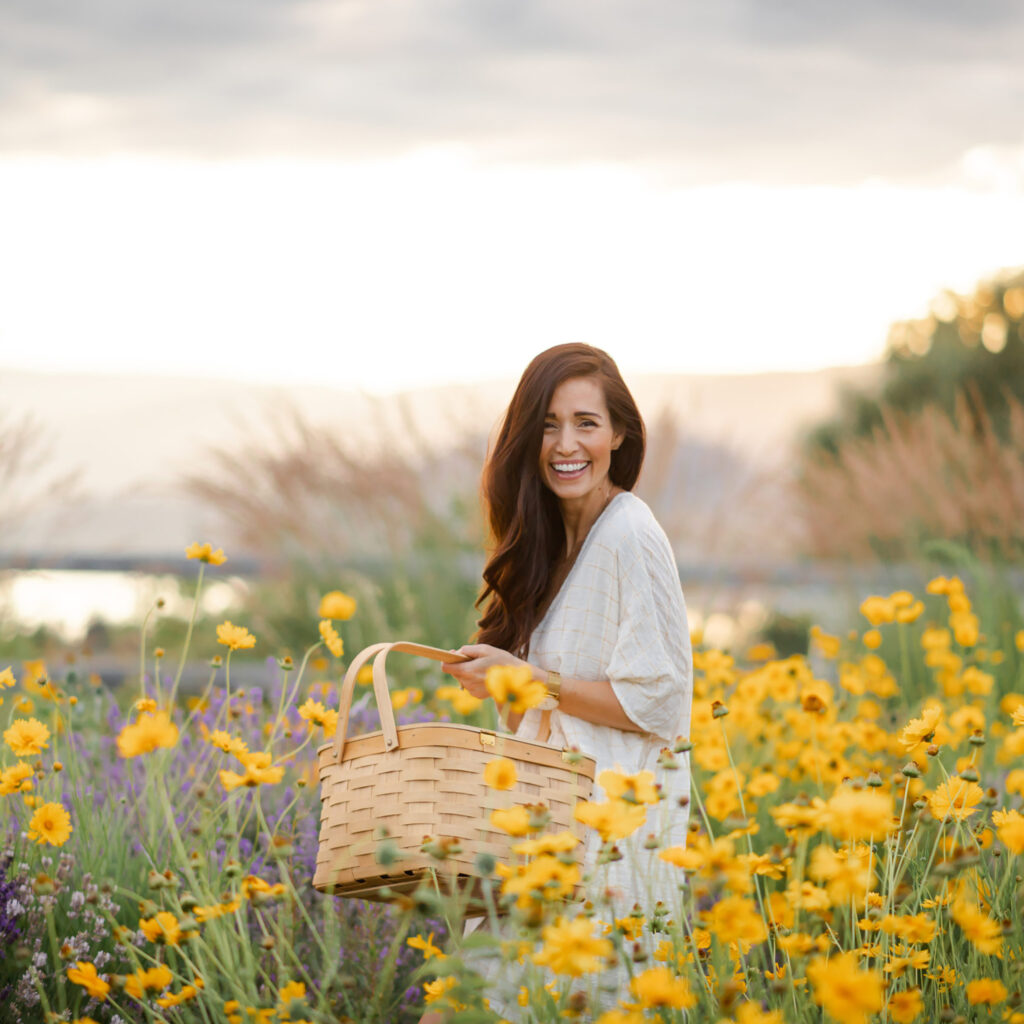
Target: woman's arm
{"points": [[592, 700]]}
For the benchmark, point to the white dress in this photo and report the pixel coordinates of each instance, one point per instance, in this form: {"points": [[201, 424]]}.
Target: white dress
{"points": [[620, 616]]}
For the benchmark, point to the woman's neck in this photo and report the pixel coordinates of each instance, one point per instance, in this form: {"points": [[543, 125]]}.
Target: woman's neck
{"points": [[580, 515]]}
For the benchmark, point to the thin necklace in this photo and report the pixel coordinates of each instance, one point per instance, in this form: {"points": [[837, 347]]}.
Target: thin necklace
{"points": [[578, 546]]}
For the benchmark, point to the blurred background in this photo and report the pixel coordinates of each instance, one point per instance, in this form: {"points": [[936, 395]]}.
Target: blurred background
{"points": [[271, 271]]}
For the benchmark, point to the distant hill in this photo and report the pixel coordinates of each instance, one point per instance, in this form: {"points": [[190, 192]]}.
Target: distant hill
{"points": [[133, 435]]}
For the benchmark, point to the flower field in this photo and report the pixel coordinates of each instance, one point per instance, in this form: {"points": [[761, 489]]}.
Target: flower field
{"points": [[855, 834]]}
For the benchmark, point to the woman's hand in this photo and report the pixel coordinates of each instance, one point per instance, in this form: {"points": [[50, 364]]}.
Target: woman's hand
{"points": [[472, 674]]}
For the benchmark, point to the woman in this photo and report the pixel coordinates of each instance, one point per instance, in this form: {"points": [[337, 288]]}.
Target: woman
{"points": [[583, 587]]}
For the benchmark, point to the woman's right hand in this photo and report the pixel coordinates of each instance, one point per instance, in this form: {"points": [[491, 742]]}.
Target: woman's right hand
{"points": [[472, 674]]}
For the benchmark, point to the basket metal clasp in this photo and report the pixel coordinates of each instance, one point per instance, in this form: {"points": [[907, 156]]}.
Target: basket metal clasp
{"points": [[487, 739]]}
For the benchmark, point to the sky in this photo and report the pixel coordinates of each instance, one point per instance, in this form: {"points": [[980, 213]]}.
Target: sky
{"points": [[385, 193]]}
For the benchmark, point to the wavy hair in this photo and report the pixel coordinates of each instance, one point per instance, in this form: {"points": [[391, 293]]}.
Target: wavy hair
{"points": [[527, 532]]}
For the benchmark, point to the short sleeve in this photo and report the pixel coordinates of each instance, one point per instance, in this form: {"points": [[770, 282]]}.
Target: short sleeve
{"points": [[650, 668]]}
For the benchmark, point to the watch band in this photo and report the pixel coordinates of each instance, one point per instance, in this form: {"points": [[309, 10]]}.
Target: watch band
{"points": [[554, 685]]}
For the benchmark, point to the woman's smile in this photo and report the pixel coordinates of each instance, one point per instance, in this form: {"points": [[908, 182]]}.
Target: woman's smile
{"points": [[570, 470]]}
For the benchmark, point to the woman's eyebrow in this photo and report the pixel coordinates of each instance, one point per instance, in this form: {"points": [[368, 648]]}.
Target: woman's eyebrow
{"points": [[593, 415]]}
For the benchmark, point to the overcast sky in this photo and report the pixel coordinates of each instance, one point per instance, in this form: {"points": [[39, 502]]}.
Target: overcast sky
{"points": [[183, 183]]}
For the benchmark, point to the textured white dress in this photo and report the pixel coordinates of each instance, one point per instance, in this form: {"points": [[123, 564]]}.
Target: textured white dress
{"points": [[620, 616]]}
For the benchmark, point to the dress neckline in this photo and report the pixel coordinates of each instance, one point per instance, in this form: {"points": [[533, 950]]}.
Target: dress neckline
{"points": [[579, 558]]}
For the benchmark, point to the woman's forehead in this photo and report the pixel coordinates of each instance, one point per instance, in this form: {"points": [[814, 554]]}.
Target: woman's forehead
{"points": [[576, 396]]}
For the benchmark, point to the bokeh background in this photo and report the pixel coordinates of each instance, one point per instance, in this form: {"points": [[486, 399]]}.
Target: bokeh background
{"points": [[271, 270]]}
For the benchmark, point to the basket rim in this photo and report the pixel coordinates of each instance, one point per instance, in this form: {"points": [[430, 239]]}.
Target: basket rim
{"points": [[507, 737]]}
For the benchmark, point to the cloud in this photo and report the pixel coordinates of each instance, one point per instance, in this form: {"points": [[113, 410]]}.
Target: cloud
{"points": [[802, 91]]}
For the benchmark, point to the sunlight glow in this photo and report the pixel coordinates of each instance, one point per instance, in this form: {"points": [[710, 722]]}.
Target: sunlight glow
{"points": [[433, 267]]}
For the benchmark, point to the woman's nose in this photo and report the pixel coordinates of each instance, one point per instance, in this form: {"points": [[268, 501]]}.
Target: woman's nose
{"points": [[565, 442]]}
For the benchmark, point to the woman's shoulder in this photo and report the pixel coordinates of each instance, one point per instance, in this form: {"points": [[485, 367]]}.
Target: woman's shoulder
{"points": [[633, 529]]}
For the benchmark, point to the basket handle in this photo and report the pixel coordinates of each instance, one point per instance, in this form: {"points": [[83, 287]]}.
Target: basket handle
{"points": [[379, 653]]}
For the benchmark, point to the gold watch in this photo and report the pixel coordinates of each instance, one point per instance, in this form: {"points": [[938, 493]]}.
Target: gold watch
{"points": [[554, 694]]}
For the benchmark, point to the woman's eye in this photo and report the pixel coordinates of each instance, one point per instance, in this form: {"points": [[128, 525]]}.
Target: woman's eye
{"points": [[587, 423]]}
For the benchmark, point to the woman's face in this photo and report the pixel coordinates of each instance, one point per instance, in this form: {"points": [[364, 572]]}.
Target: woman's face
{"points": [[579, 438]]}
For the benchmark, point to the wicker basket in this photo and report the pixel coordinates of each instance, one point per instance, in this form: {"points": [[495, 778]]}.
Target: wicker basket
{"points": [[402, 784]]}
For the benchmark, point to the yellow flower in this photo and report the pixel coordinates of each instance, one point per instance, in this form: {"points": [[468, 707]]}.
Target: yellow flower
{"points": [[736, 919], [918, 960], [203, 914], [801, 820], [434, 991], [336, 605], [144, 704], [985, 934], [917, 928], [907, 1006], [234, 637], [634, 789], [410, 695], [84, 974], [986, 990], [957, 798], [621, 1017], [229, 744], [613, 819], [751, 1013], [1010, 829], [27, 737], [330, 637], [162, 928], [316, 714], [50, 824], [515, 685], [427, 945], [828, 645], [253, 885], [846, 872], [846, 992], [146, 734], [816, 696], [258, 771], [570, 947], [7, 678], [462, 700], [187, 992], [555, 843], [16, 779], [658, 987], [500, 773], [156, 978], [544, 878], [859, 814], [911, 612], [872, 639], [513, 820], [1018, 715], [205, 553], [1018, 639], [878, 610]]}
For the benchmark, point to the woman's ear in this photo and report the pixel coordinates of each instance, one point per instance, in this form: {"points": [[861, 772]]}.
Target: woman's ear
{"points": [[617, 440]]}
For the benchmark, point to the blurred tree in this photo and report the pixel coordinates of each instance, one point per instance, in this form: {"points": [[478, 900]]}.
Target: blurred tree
{"points": [[968, 344], [938, 452], [26, 492]]}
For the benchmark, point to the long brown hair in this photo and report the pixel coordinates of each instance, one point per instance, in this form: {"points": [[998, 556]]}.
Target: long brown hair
{"points": [[527, 532]]}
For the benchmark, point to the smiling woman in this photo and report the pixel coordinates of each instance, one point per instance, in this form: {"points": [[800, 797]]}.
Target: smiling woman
{"points": [[582, 589]]}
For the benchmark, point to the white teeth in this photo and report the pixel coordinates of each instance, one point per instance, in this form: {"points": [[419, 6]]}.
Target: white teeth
{"points": [[568, 467]]}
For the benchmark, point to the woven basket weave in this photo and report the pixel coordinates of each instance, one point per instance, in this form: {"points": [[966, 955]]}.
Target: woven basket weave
{"points": [[400, 785]]}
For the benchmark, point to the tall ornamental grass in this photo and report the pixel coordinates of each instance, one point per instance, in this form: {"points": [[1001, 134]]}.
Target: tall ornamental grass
{"points": [[853, 850]]}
